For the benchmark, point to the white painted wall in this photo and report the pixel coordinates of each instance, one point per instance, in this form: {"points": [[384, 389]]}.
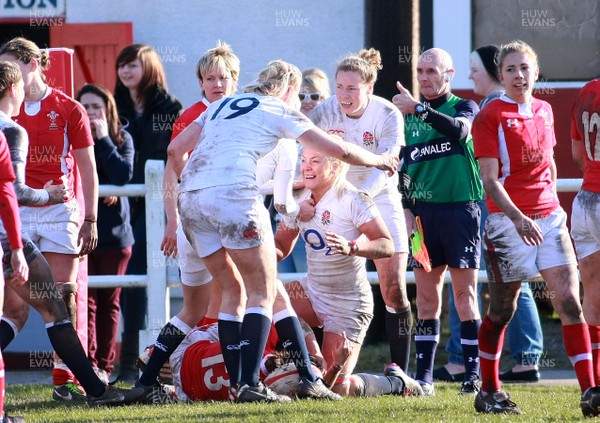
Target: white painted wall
{"points": [[308, 33]]}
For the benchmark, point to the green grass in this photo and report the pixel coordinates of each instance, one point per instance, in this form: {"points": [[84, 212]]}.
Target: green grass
{"points": [[373, 357], [540, 403]]}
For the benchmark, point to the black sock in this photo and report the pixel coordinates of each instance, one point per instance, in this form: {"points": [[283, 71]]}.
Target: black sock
{"points": [[255, 331], [374, 385], [65, 342], [229, 337], [427, 337], [291, 336], [470, 347], [168, 340], [398, 328], [7, 334]]}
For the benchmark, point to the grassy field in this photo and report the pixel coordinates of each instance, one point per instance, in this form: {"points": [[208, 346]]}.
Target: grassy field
{"points": [[540, 403]]}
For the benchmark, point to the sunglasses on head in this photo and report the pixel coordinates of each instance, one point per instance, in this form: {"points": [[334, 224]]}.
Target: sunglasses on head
{"points": [[312, 96]]}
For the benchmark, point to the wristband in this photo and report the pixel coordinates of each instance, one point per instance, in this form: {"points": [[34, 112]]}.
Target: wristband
{"points": [[89, 220], [353, 247]]}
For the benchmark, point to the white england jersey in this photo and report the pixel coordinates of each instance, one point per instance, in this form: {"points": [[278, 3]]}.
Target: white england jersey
{"points": [[380, 129], [236, 132], [337, 274]]}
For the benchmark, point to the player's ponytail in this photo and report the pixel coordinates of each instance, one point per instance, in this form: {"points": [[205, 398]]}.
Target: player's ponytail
{"points": [[275, 79], [367, 63]]}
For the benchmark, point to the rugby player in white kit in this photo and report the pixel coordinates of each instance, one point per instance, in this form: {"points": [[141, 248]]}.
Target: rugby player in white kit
{"points": [[346, 227], [374, 124]]}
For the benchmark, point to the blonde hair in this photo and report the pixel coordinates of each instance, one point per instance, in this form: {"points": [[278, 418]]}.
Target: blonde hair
{"points": [[367, 63], [340, 184], [317, 81], [516, 46], [220, 57], [275, 79]]}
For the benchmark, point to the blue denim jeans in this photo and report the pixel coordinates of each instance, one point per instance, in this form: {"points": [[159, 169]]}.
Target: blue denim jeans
{"points": [[524, 332]]}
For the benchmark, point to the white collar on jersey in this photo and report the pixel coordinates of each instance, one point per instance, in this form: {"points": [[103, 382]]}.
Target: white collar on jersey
{"points": [[525, 109]]}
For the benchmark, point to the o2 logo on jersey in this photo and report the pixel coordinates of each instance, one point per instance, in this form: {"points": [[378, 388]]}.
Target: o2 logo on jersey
{"points": [[239, 107], [368, 139], [310, 236], [326, 217]]}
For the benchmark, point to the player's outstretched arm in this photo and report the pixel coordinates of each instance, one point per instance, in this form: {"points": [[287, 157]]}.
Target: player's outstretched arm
{"points": [[318, 140]]}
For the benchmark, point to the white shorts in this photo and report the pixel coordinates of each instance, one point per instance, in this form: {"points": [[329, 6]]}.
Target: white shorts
{"points": [[54, 228], [508, 259], [192, 267], [392, 213], [585, 223], [337, 314], [231, 216]]}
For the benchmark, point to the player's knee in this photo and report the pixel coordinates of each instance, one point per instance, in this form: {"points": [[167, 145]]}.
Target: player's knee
{"points": [[466, 306], [395, 297], [52, 310], [18, 315], [568, 308], [356, 386], [342, 385], [500, 314]]}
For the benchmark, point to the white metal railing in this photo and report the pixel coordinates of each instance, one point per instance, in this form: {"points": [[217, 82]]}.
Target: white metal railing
{"points": [[162, 273]]}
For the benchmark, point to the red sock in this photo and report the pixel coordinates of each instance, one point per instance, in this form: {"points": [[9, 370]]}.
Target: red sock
{"points": [[491, 340], [577, 344], [2, 383], [61, 376], [595, 341]]}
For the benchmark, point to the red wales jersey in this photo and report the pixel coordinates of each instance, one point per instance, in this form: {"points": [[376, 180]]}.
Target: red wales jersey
{"points": [[521, 137], [203, 373], [188, 116], [585, 125], [56, 125]]}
